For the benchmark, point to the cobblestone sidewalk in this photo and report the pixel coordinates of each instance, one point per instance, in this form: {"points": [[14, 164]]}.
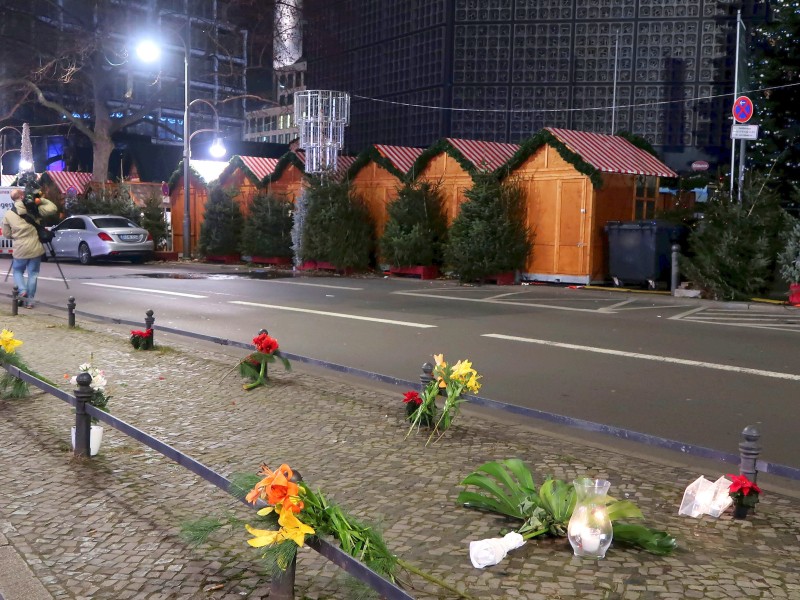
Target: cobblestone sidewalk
{"points": [[109, 527]]}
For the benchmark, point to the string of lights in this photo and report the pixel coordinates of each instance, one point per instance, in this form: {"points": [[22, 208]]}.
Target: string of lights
{"points": [[563, 110]]}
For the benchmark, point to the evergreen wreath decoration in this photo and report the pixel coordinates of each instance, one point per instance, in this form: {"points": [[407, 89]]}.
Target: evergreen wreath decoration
{"points": [[532, 144], [284, 162], [372, 154]]}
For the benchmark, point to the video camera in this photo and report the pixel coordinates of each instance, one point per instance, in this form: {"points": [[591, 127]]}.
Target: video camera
{"points": [[32, 193]]}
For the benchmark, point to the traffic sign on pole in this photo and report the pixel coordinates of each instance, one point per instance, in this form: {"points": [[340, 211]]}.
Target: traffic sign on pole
{"points": [[742, 109]]}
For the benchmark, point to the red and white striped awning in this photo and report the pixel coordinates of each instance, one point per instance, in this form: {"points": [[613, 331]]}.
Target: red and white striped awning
{"points": [[63, 180], [611, 153], [261, 167], [402, 157], [485, 155], [7, 180], [343, 163]]}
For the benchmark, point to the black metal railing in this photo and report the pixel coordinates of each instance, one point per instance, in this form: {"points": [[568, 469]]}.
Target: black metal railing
{"points": [[282, 588]]}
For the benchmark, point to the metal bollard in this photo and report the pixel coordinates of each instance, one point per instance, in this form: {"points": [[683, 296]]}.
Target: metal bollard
{"points": [[14, 301], [282, 587], [749, 449], [71, 312], [676, 274], [149, 319], [83, 421], [427, 375]]}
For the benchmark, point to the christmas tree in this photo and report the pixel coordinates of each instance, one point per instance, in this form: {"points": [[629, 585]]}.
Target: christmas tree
{"points": [[489, 236], [337, 227], [268, 227], [221, 231], [416, 228]]}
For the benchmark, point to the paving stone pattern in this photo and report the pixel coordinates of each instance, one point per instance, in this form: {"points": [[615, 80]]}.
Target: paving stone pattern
{"points": [[109, 527]]}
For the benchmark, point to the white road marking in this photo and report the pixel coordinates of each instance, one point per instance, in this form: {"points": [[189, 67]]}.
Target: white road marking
{"points": [[739, 318], [610, 309], [322, 285], [687, 313], [325, 313], [507, 303], [53, 278], [666, 359], [145, 290]]}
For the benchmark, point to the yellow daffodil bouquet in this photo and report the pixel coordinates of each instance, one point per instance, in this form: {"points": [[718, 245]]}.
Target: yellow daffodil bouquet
{"points": [[10, 385], [453, 381]]}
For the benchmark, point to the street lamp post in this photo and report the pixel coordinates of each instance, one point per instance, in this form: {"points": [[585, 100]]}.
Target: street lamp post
{"points": [[187, 223], [149, 52]]}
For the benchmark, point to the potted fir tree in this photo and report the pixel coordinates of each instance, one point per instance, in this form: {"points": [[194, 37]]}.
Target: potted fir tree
{"points": [[267, 233], [489, 239], [789, 262], [415, 231], [337, 230], [221, 231]]}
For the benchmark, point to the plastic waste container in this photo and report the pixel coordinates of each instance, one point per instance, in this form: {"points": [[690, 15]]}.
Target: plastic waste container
{"points": [[640, 252]]}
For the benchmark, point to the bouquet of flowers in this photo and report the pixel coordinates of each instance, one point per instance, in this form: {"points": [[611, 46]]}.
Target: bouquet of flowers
{"points": [[293, 513], [10, 385], [254, 366], [142, 340], [453, 380], [99, 382]]}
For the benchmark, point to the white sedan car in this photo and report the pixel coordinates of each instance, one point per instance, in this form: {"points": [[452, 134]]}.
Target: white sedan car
{"points": [[89, 237]]}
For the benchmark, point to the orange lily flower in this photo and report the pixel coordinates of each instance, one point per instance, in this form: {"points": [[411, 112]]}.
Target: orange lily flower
{"points": [[275, 487]]}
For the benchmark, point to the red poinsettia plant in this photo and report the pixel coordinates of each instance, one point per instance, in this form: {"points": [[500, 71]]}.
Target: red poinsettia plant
{"points": [[142, 340], [743, 491], [413, 402], [254, 365]]}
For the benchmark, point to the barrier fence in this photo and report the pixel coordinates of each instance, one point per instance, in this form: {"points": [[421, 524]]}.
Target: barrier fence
{"points": [[282, 588]]}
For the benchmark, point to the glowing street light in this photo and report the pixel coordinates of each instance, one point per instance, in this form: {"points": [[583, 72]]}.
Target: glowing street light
{"points": [[149, 51]]}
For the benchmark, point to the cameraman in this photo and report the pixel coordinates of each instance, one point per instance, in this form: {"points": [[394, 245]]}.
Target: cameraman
{"points": [[27, 249]]}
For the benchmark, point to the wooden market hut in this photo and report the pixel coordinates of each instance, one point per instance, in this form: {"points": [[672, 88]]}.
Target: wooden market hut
{"points": [[453, 162], [245, 176], [286, 178], [57, 185], [575, 183], [377, 174], [198, 194]]}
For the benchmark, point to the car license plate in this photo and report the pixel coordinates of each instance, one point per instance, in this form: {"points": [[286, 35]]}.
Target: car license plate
{"points": [[129, 237]]}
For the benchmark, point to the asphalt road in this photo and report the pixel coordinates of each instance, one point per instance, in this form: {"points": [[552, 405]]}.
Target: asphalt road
{"points": [[687, 370]]}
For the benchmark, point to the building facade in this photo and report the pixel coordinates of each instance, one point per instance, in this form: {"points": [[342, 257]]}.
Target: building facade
{"points": [[108, 33], [500, 70], [275, 122]]}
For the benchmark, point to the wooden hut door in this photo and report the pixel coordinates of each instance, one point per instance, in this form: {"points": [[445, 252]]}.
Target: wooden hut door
{"points": [[571, 249]]}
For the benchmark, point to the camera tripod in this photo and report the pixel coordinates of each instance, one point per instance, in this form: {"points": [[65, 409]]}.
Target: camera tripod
{"points": [[47, 246]]}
